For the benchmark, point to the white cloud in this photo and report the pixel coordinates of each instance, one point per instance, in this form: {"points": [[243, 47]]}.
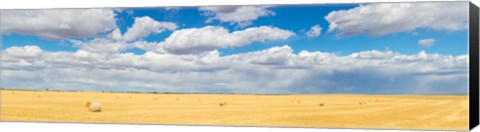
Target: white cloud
{"points": [[115, 35], [24, 52], [183, 41], [58, 24], [149, 46], [240, 15], [428, 42], [273, 70], [144, 26], [197, 40], [189, 60], [271, 56], [101, 45], [116, 42], [374, 55], [314, 31], [379, 19]]}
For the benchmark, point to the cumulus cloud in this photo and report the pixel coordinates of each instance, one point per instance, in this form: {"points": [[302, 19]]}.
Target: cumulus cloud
{"points": [[197, 40], [101, 45], [314, 31], [58, 24], [115, 35], [240, 15], [379, 19], [189, 61], [272, 70], [428, 42], [29, 51], [188, 40], [143, 26], [271, 56], [115, 41]]}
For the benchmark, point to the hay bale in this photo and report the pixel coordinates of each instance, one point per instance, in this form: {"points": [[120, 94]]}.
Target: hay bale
{"points": [[222, 104], [93, 106], [321, 104]]}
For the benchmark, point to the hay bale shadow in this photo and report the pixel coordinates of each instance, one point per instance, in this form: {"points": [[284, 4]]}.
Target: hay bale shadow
{"points": [[221, 104]]}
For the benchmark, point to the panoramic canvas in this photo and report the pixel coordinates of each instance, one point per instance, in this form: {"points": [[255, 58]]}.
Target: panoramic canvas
{"points": [[359, 65]]}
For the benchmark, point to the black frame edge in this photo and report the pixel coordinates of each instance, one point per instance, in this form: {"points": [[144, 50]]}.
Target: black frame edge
{"points": [[474, 66]]}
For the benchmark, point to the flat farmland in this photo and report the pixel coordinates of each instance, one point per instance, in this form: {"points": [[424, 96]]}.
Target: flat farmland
{"points": [[439, 112]]}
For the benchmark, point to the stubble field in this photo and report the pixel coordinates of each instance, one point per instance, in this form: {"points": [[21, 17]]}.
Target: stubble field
{"points": [[321, 110]]}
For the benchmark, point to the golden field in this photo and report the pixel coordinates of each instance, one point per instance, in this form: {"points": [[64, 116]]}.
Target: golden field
{"points": [[321, 110]]}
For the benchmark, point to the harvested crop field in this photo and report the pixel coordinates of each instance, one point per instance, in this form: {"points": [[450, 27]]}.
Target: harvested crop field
{"points": [[438, 112]]}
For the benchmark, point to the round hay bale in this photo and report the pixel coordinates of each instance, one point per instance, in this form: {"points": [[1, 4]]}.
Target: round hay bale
{"points": [[222, 103], [94, 106], [321, 104]]}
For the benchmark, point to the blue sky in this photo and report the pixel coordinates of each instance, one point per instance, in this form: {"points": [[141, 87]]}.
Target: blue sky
{"points": [[295, 18], [258, 37]]}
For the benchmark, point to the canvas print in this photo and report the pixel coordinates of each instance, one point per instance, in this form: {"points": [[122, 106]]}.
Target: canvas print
{"points": [[358, 65]]}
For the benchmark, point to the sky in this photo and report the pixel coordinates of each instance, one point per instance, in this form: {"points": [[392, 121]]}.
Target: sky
{"points": [[371, 48]]}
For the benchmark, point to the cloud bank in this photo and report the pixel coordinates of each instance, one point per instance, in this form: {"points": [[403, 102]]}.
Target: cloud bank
{"points": [[56, 24], [275, 70], [380, 19]]}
